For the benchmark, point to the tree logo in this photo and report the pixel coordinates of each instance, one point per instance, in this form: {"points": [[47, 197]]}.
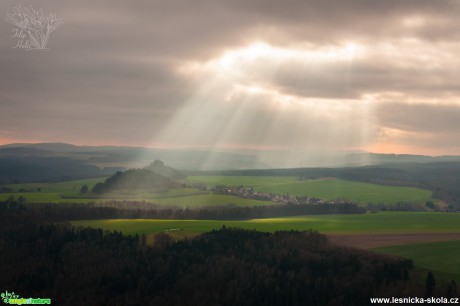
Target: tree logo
{"points": [[33, 28], [13, 299], [6, 296]]}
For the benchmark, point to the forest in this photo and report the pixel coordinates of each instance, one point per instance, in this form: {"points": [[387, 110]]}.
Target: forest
{"points": [[83, 266], [143, 210]]}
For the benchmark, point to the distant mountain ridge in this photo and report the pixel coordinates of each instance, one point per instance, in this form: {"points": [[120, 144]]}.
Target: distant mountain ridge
{"points": [[120, 157], [137, 157]]}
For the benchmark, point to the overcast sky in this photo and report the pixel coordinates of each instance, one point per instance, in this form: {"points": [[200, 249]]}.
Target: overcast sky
{"points": [[380, 76]]}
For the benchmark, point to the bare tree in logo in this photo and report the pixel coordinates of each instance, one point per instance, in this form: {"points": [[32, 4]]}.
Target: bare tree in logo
{"points": [[33, 28]]}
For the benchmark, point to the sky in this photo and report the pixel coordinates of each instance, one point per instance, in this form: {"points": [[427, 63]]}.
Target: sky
{"points": [[268, 75]]}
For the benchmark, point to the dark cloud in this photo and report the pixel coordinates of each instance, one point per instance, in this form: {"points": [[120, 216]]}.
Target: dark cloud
{"points": [[112, 71], [423, 118]]}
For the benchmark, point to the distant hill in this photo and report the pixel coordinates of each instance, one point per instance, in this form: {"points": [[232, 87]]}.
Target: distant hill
{"points": [[377, 159], [135, 179], [136, 157], [22, 167], [190, 159], [368, 159], [51, 146], [22, 151], [159, 167]]}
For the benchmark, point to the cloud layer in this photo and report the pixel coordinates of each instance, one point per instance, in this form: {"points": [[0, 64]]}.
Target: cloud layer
{"points": [[337, 74]]}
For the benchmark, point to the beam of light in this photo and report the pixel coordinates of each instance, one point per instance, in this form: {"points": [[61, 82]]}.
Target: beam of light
{"points": [[239, 104]]}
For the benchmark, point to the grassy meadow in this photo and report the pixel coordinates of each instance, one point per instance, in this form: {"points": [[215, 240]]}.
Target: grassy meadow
{"points": [[383, 222], [52, 192], [438, 256], [327, 189]]}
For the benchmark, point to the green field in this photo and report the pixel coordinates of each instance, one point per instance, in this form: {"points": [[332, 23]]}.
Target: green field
{"points": [[438, 256], [62, 187], [204, 200], [68, 192], [51, 192], [384, 222], [182, 197], [253, 181], [327, 189]]}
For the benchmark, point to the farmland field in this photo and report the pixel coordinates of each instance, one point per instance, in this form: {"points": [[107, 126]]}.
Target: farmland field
{"points": [[183, 197], [253, 181], [51, 192], [68, 192], [204, 200], [385, 222], [60, 187], [439, 256], [403, 228], [327, 189]]}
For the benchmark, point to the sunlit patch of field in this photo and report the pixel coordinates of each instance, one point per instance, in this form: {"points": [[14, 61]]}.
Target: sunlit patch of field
{"points": [[385, 222], [439, 256]]}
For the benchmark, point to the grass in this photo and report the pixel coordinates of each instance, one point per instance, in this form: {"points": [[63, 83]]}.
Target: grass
{"points": [[43, 197], [69, 186], [385, 222], [51, 192], [437, 256], [327, 189], [206, 200], [441, 257], [252, 181], [69, 192]]}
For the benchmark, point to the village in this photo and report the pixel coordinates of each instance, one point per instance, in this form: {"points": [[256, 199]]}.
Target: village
{"points": [[250, 193]]}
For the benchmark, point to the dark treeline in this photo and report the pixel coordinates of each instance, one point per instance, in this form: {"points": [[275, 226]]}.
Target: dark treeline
{"points": [[224, 267], [134, 210]]}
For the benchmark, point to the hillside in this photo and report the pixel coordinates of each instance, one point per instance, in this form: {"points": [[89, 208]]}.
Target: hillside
{"points": [[134, 179], [160, 168], [208, 160]]}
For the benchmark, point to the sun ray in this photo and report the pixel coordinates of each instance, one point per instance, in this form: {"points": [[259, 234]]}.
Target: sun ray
{"points": [[240, 101]]}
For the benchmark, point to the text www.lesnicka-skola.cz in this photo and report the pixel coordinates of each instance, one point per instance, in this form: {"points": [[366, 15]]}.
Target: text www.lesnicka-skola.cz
{"points": [[415, 300]]}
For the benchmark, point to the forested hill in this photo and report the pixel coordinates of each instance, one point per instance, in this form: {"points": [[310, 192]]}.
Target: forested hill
{"points": [[135, 179], [160, 168]]}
